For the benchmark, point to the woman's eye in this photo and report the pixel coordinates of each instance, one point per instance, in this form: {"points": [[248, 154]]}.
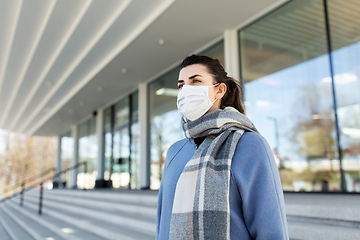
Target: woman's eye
{"points": [[195, 80], [180, 86]]}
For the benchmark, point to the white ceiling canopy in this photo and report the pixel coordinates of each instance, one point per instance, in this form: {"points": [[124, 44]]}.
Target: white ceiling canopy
{"points": [[62, 59]]}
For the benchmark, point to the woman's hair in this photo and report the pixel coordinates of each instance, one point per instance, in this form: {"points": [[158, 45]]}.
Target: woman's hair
{"points": [[233, 94]]}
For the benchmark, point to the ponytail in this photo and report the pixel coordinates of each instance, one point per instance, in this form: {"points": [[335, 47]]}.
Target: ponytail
{"points": [[233, 95]]}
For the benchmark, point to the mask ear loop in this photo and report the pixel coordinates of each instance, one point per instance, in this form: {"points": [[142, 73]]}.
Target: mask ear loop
{"points": [[214, 86]]}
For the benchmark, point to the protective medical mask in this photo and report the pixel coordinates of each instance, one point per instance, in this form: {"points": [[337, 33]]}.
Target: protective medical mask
{"points": [[193, 101]]}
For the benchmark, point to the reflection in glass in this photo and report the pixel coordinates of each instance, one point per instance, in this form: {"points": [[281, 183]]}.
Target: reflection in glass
{"points": [[135, 142], [216, 52], [344, 21], [87, 153], [284, 66], [108, 142], [165, 126], [67, 153], [120, 171], [122, 143]]}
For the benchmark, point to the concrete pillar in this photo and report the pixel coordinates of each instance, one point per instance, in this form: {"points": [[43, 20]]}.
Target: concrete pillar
{"points": [[100, 167], [231, 52], [58, 161], [75, 159], [144, 173]]}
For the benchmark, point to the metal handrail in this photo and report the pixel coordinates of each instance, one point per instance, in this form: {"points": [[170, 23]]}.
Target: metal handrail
{"points": [[40, 182], [9, 189]]}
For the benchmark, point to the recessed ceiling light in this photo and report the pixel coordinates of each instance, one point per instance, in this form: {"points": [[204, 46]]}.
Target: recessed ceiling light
{"points": [[161, 42], [123, 70], [167, 92]]}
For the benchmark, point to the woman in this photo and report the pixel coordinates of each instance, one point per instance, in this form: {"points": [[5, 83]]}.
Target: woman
{"points": [[221, 182]]}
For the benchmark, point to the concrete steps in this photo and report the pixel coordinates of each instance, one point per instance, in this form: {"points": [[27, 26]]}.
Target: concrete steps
{"points": [[323, 216], [126, 214], [12, 228], [76, 214]]}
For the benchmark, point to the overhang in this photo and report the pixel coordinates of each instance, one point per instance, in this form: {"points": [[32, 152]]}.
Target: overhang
{"points": [[61, 60]]}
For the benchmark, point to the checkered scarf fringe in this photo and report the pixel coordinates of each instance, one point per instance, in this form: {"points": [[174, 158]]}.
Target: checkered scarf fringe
{"points": [[201, 204]]}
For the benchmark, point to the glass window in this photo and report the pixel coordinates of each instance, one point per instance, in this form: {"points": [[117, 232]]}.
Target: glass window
{"points": [[285, 72], [216, 52], [344, 21], [122, 143], [120, 175], [87, 153], [67, 153], [135, 142], [108, 142], [163, 110]]}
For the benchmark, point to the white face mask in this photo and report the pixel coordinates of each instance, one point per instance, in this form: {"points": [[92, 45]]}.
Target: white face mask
{"points": [[193, 101]]}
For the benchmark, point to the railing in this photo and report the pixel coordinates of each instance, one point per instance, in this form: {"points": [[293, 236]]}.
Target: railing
{"points": [[40, 179]]}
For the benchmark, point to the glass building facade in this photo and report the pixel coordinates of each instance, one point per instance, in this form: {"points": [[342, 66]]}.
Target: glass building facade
{"points": [[67, 153], [87, 153], [344, 26], [121, 136], [299, 67]]}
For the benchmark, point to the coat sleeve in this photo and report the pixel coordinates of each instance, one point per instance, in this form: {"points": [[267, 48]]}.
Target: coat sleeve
{"points": [[158, 215], [256, 175]]}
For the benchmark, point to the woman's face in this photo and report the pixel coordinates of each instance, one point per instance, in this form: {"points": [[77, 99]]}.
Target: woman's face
{"points": [[198, 75]]}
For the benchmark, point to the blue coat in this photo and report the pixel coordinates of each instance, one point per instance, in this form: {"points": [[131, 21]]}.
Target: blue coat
{"points": [[256, 198]]}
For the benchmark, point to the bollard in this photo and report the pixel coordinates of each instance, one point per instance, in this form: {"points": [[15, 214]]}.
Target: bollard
{"points": [[22, 194], [41, 198]]}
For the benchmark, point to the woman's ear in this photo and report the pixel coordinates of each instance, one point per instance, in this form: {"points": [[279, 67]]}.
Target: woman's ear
{"points": [[221, 90]]}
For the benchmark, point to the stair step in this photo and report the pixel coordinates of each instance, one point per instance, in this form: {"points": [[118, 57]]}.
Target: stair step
{"points": [[5, 230], [341, 213], [302, 230], [126, 220], [148, 226], [126, 196], [16, 228], [119, 207], [48, 229], [326, 206], [67, 227], [94, 226]]}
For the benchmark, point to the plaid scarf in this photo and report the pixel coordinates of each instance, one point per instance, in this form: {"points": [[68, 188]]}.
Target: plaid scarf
{"points": [[201, 204]]}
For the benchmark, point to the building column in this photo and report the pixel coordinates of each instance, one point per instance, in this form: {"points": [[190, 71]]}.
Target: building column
{"points": [[100, 182], [231, 52], [144, 175], [57, 180], [75, 159]]}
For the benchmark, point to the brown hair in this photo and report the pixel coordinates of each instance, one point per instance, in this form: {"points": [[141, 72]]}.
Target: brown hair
{"points": [[233, 94]]}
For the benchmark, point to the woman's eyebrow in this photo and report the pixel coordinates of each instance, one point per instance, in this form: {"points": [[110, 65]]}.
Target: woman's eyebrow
{"points": [[192, 77]]}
